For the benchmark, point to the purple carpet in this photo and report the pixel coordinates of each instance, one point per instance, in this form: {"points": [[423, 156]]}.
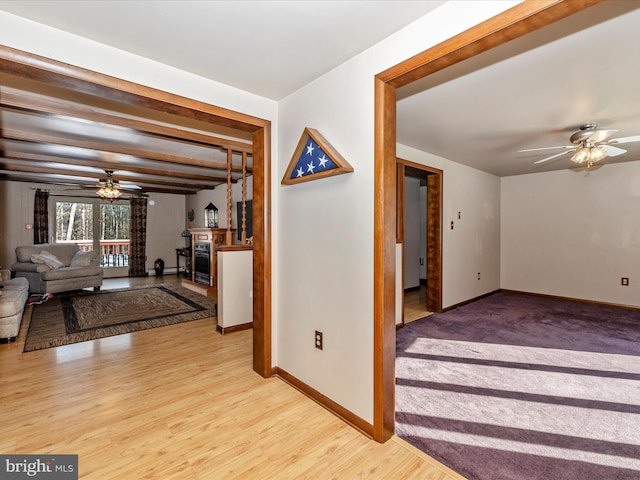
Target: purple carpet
{"points": [[520, 387]]}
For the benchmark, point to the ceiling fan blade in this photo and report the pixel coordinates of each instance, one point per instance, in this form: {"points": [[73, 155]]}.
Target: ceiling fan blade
{"points": [[550, 158], [600, 135], [613, 151], [546, 148], [635, 138]]}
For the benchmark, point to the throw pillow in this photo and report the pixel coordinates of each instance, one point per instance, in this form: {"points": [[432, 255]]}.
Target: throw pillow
{"points": [[37, 258], [49, 259], [83, 259]]}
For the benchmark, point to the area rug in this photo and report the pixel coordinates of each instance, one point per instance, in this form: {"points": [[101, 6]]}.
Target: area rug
{"points": [[517, 386], [84, 315]]}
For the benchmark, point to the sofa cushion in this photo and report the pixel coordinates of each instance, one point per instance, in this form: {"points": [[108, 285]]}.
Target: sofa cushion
{"points": [[71, 272], [14, 294], [63, 251], [12, 302], [48, 259], [17, 283], [83, 259], [29, 267]]}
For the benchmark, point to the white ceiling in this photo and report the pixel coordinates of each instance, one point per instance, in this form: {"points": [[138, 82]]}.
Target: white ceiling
{"points": [[533, 92], [270, 48]]}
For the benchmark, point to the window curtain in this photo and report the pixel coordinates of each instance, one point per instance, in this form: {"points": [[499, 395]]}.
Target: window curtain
{"points": [[138, 238], [41, 217]]}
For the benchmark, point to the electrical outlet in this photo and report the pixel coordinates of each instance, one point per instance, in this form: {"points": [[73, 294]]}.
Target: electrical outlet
{"points": [[624, 281], [451, 224], [319, 340], [478, 275]]}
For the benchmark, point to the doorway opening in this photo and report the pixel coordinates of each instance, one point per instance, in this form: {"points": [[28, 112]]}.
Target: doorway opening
{"points": [[524, 18], [21, 67], [419, 235]]}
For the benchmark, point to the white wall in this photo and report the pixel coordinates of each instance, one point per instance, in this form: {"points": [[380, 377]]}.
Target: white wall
{"points": [[16, 211], [473, 246], [573, 234], [165, 223], [235, 288], [399, 286], [325, 239], [412, 232]]}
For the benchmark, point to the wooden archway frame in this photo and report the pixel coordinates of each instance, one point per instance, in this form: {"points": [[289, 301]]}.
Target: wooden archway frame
{"points": [[513, 23], [25, 65]]}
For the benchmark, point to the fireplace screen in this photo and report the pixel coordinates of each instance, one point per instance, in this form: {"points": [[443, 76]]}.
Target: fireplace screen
{"points": [[202, 254]]}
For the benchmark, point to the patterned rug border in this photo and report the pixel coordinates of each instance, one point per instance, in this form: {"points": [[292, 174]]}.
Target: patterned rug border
{"points": [[203, 307], [71, 321]]}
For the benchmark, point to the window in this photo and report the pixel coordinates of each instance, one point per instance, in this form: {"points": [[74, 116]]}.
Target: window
{"points": [[74, 223], [78, 221]]}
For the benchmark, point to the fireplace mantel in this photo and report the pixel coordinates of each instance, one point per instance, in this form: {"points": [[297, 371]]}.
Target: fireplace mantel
{"points": [[204, 244]]}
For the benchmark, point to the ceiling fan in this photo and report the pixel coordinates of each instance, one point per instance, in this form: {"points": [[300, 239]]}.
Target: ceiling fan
{"points": [[110, 189], [589, 145]]}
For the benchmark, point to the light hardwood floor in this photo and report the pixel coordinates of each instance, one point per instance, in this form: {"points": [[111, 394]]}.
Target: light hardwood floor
{"points": [[415, 302], [181, 402]]}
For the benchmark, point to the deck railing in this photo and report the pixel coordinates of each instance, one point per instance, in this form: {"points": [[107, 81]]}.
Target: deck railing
{"points": [[113, 253]]}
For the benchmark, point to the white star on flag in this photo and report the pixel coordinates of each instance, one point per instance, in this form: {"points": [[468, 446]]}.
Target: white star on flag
{"points": [[310, 149], [323, 160], [310, 167], [299, 172]]}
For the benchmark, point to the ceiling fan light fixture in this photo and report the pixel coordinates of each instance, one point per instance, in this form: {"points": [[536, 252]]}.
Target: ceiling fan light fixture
{"points": [[109, 192], [597, 154], [581, 155], [109, 188], [589, 154]]}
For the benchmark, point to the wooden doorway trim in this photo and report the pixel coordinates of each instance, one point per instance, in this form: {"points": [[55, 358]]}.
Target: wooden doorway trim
{"points": [[434, 179], [524, 18], [33, 67]]}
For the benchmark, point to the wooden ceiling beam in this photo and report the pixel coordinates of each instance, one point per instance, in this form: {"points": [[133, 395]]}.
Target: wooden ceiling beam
{"points": [[126, 178], [43, 138], [61, 75], [106, 165], [34, 179], [44, 105]]}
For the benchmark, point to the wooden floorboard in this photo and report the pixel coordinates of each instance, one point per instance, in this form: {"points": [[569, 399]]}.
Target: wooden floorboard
{"points": [[181, 402], [415, 304]]}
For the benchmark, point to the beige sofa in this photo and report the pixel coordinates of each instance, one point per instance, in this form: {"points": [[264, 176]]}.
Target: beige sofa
{"points": [[13, 295], [62, 267]]}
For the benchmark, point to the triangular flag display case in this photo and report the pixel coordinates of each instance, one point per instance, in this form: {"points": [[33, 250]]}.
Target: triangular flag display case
{"points": [[314, 158]]}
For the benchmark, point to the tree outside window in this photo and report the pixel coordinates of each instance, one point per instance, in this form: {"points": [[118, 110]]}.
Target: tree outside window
{"points": [[76, 222]]}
